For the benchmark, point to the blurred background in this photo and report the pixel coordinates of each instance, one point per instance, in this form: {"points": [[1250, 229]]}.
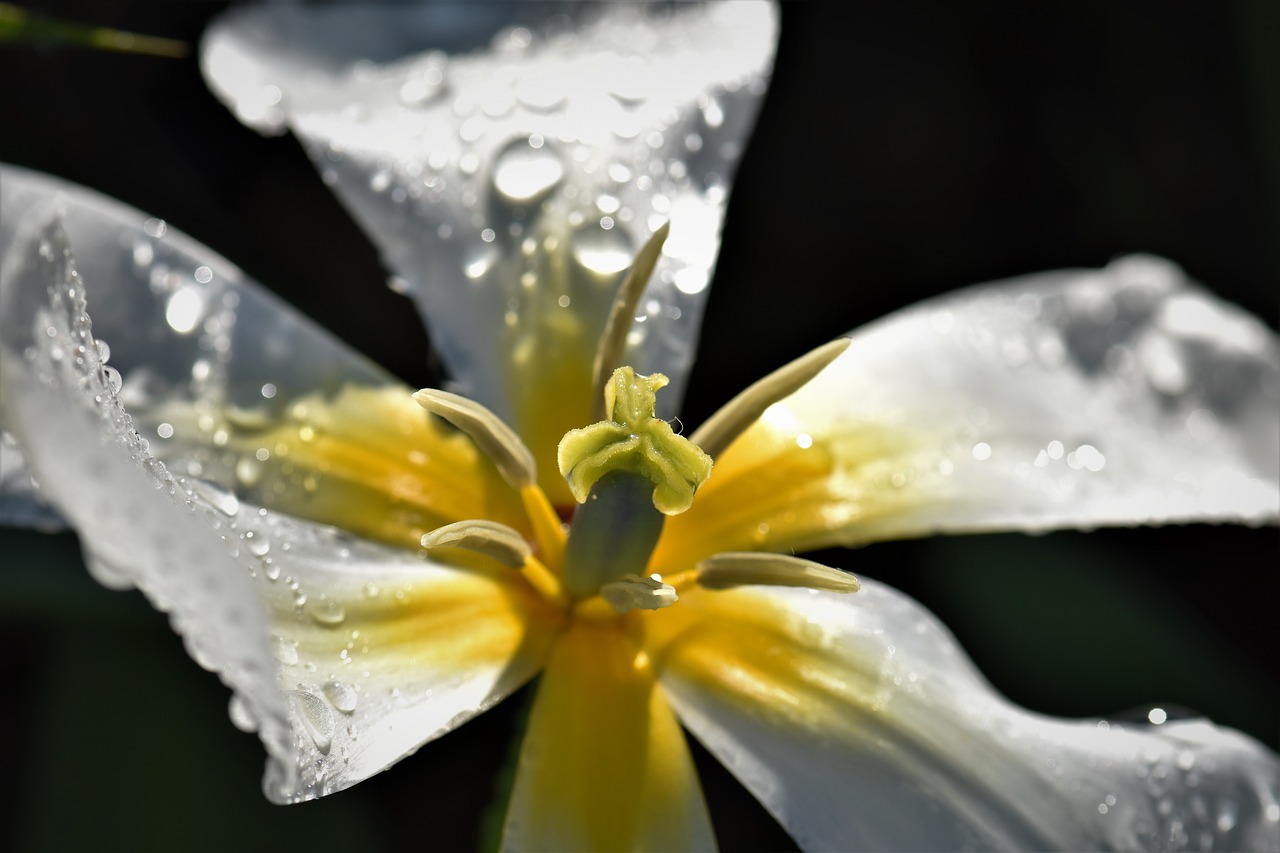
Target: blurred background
{"points": [[904, 150]]}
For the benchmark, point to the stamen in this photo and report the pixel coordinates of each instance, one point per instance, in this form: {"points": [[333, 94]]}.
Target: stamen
{"points": [[494, 438], [503, 544], [490, 538], [614, 338], [724, 427], [633, 592], [729, 570]]}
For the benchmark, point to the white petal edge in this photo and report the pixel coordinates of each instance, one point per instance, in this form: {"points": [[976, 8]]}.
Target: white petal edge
{"points": [[1125, 395], [542, 120], [233, 578], [923, 755], [186, 328]]}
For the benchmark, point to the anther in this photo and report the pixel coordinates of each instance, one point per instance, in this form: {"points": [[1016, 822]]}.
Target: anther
{"points": [[633, 592], [724, 427], [494, 438], [733, 569], [614, 338], [490, 538]]}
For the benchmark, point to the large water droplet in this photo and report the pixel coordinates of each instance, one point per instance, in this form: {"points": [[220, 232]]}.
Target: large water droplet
{"points": [[185, 308], [343, 696], [602, 250], [224, 502], [525, 173], [326, 611], [316, 718], [257, 544], [286, 651], [113, 377]]}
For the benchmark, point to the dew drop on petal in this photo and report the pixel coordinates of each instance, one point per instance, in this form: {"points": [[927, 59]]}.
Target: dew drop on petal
{"points": [[185, 309], [327, 612], [341, 695], [224, 502], [524, 173], [286, 651], [316, 718], [602, 250]]}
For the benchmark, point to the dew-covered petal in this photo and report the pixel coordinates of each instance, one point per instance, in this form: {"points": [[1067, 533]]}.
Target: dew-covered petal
{"points": [[509, 161], [1067, 399], [604, 764], [232, 386], [20, 501], [860, 724], [343, 655], [379, 650]]}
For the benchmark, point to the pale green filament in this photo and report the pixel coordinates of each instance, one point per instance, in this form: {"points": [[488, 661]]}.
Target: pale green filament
{"points": [[634, 440]]}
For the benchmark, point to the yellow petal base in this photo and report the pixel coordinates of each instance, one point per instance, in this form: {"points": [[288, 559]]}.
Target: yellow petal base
{"points": [[604, 765]]}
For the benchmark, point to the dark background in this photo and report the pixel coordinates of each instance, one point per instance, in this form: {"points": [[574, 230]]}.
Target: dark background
{"points": [[904, 150]]}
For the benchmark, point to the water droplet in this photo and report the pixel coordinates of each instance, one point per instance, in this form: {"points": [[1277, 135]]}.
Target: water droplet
{"points": [[154, 227], [248, 472], [316, 718], [601, 250], [270, 570], [268, 390], [343, 696], [326, 611], [165, 430], [257, 544], [104, 351], [286, 651], [113, 377], [224, 502], [479, 263], [185, 308]]}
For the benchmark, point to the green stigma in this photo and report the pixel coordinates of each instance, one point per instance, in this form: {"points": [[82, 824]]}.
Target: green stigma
{"points": [[636, 441]]}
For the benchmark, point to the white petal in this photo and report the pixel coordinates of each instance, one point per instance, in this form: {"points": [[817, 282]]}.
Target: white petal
{"points": [[860, 724], [587, 129], [327, 641], [1073, 398], [184, 327]]}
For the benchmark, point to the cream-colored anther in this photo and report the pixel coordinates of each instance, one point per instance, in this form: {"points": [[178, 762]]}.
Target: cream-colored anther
{"points": [[728, 570], [633, 592], [494, 438], [724, 427], [614, 338], [490, 538]]}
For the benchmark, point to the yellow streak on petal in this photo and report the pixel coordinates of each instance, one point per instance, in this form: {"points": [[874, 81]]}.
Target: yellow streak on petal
{"points": [[372, 462], [604, 765], [746, 649], [446, 624], [786, 485]]}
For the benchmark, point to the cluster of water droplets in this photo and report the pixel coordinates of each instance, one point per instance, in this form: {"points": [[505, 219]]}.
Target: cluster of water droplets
{"points": [[509, 186], [1160, 355], [321, 693]]}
